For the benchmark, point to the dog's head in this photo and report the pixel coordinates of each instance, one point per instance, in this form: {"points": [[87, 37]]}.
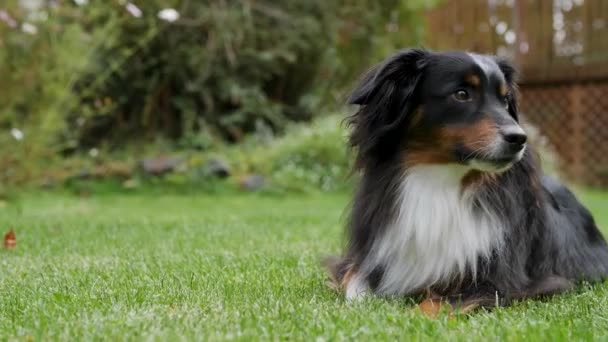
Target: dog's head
{"points": [[439, 108]]}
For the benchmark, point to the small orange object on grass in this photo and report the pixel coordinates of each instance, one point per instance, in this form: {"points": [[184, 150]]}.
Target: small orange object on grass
{"points": [[431, 307], [10, 241]]}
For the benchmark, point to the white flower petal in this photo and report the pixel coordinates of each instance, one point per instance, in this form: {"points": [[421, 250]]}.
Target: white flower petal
{"points": [[168, 14], [133, 10], [29, 28], [93, 152], [17, 134]]}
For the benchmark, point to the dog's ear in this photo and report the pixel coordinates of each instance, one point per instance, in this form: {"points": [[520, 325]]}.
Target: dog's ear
{"points": [[511, 75], [386, 95], [403, 68]]}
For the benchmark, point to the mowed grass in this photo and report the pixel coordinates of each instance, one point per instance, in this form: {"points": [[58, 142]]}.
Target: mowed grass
{"points": [[243, 267]]}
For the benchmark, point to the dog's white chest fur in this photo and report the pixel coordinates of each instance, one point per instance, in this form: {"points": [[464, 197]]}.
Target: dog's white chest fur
{"points": [[437, 234]]}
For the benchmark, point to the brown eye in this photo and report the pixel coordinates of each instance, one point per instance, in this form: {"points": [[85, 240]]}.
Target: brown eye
{"points": [[462, 95], [506, 99]]}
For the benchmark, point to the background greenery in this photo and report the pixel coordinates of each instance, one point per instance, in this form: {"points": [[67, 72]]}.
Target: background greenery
{"points": [[112, 78]]}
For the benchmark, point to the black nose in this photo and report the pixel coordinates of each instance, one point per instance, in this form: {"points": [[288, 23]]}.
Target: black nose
{"points": [[516, 138]]}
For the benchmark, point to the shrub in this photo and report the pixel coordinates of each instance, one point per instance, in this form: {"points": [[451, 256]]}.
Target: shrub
{"points": [[307, 158], [107, 73]]}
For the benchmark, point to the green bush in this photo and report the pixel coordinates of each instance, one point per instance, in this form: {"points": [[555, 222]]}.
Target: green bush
{"points": [[99, 75], [307, 158]]}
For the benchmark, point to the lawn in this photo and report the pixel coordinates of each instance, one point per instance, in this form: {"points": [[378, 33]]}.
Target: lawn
{"points": [[226, 267]]}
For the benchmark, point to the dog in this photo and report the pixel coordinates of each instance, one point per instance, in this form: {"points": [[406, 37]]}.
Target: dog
{"points": [[451, 201]]}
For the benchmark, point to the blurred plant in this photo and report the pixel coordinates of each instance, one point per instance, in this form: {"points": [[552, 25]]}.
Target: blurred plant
{"points": [[80, 74], [306, 158]]}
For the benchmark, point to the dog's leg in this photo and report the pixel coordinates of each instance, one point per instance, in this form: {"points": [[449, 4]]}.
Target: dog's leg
{"points": [[466, 305], [480, 295], [343, 276], [486, 297], [548, 286], [355, 285], [336, 268]]}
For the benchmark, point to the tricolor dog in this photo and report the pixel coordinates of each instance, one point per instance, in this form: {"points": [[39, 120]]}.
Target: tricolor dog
{"points": [[451, 199]]}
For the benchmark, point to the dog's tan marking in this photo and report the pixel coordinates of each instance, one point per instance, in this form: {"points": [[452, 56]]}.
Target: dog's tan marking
{"points": [[336, 272], [438, 146], [433, 305], [348, 276], [476, 177], [475, 137], [504, 90], [473, 80], [427, 156]]}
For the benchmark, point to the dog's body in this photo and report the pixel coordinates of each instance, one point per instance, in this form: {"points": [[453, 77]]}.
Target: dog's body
{"points": [[450, 200]]}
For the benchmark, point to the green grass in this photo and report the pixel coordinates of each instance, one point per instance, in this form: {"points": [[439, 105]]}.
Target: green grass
{"points": [[226, 267]]}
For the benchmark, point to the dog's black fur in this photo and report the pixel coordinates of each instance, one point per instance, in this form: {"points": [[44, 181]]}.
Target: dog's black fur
{"points": [[550, 240]]}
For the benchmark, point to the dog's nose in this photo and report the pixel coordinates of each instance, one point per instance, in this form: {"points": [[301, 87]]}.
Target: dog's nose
{"points": [[516, 138]]}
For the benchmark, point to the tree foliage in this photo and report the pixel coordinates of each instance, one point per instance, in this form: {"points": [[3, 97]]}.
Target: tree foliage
{"points": [[77, 74]]}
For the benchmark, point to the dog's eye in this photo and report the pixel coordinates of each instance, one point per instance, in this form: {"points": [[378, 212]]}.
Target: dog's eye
{"points": [[462, 95], [505, 100]]}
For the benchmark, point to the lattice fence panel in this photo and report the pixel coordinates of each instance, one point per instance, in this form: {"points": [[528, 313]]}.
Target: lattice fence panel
{"points": [[574, 118], [595, 133]]}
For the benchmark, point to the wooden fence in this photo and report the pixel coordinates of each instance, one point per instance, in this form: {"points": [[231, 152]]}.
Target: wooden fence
{"points": [[561, 47]]}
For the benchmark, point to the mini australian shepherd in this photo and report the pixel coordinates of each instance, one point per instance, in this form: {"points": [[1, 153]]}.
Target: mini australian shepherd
{"points": [[452, 201]]}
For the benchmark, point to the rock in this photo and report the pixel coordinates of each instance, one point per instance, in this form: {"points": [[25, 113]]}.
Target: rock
{"points": [[112, 169], [130, 184], [48, 183], [252, 182], [82, 174], [160, 165], [217, 167]]}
